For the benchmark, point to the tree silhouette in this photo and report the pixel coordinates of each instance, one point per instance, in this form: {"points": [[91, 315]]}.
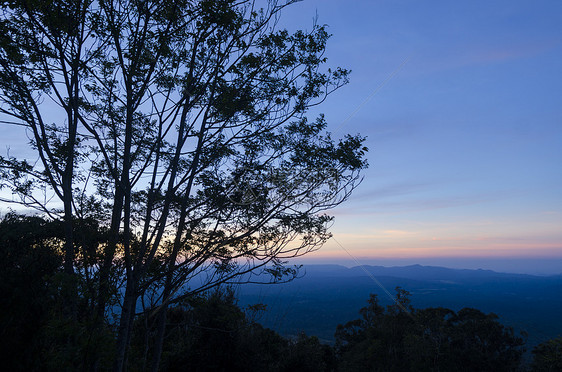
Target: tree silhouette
{"points": [[401, 338], [28, 262], [212, 333], [180, 127], [547, 356]]}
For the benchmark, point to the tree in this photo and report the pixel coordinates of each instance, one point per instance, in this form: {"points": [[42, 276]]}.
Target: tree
{"points": [[180, 127], [28, 263], [210, 332], [35, 330], [479, 341], [402, 338], [375, 341], [547, 356]]}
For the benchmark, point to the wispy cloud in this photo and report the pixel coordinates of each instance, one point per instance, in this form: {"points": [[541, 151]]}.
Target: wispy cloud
{"points": [[551, 213], [392, 190], [494, 54], [380, 204], [443, 57], [393, 233]]}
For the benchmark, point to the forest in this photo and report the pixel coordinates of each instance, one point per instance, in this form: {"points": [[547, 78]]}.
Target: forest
{"points": [[211, 332]]}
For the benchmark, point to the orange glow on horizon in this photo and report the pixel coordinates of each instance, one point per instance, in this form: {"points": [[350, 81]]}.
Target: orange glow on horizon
{"points": [[462, 248]]}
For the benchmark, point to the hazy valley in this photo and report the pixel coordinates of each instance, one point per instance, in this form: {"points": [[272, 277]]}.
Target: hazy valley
{"points": [[328, 295]]}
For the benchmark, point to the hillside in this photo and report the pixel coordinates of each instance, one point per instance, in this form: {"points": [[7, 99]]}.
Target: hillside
{"points": [[328, 295]]}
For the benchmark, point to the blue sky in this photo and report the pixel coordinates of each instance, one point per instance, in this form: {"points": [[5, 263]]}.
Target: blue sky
{"points": [[465, 139]]}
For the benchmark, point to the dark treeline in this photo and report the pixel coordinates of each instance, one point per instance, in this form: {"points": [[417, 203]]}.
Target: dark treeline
{"points": [[177, 144], [210, 332]]}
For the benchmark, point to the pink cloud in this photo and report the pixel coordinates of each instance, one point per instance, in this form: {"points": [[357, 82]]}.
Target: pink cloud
{"points": [[502, 54], [459, 56]]}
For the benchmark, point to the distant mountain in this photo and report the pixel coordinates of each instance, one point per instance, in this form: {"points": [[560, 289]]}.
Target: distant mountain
{"points": [[328, 295], [434, 273], [417, 272]]}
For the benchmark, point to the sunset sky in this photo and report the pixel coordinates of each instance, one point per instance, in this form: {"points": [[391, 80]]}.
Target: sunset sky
{"points": [[461, 102], [462, 106]]}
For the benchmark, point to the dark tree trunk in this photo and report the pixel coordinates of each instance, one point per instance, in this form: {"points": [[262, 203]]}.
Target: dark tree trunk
{"points": [[125, 326]]}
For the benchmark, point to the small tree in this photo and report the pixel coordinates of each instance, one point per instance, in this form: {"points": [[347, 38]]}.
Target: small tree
{"points": [[180, 126], [547, 356], [434, 339]]}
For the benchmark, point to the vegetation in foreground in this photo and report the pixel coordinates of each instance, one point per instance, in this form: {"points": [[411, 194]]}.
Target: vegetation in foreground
{"points": [[210, 332], [183, 129]]}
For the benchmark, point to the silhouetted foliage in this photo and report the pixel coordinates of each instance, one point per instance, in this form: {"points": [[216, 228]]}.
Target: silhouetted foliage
{"points": [[181, 128], [400, 338], [35, 332], [211, 333], [29, 259], [307, 354], [547, 357]]}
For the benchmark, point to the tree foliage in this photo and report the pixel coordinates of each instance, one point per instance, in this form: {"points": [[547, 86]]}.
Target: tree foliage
{"points": [[401, 338], [210, 332], [35, 333], [547, 356], [28, 264], [179, 127]]}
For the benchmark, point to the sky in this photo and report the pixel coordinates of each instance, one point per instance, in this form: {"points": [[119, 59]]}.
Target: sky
{"points": [[461, 102]]}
